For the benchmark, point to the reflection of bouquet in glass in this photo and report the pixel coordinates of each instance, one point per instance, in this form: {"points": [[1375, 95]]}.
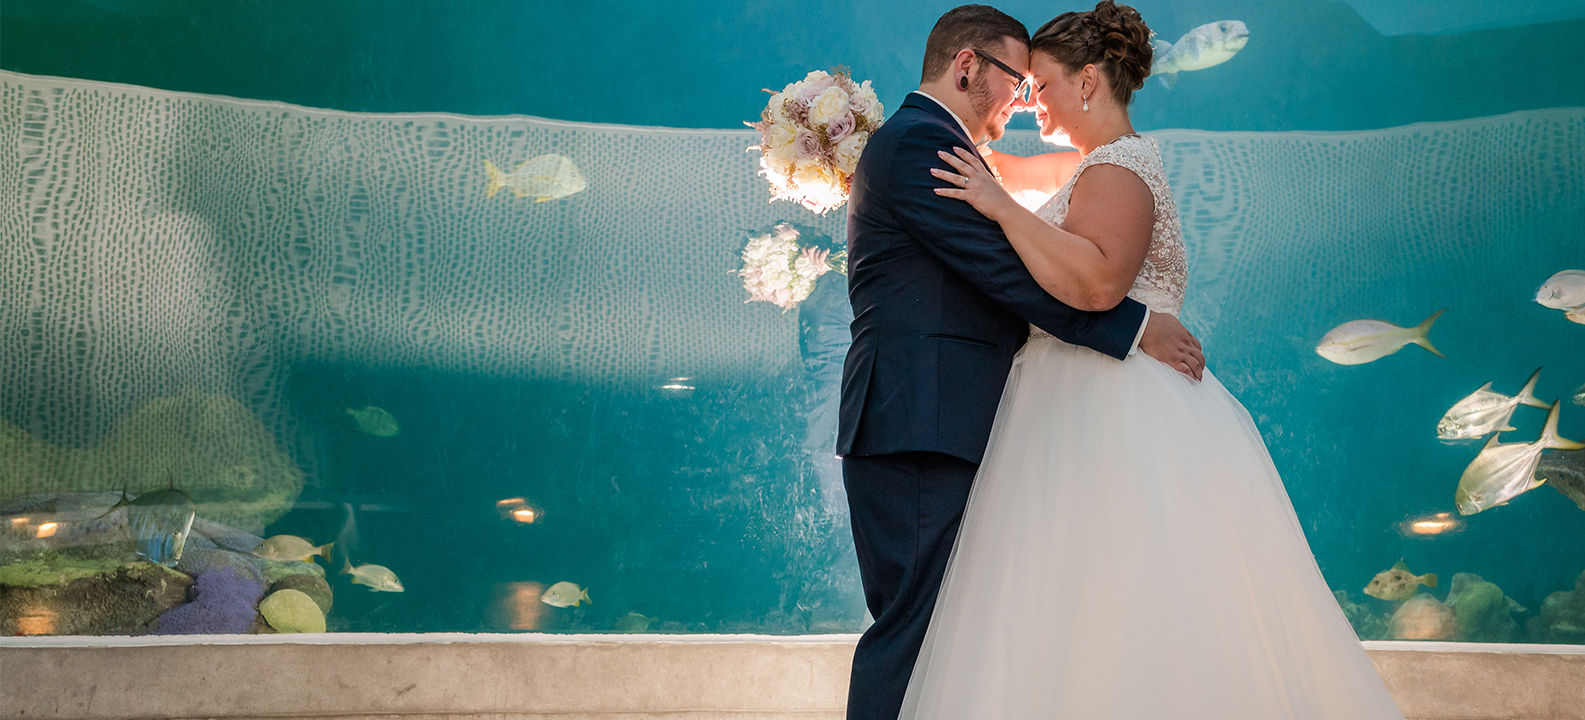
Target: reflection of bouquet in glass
{"points": [[811, 135], [778, 269]]}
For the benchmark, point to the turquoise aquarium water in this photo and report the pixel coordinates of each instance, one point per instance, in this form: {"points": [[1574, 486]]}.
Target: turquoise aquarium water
{"points": [[432, 315]]}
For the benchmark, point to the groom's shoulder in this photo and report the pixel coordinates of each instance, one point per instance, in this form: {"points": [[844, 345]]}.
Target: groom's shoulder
{"points": [[912, 131], [911, 120]]}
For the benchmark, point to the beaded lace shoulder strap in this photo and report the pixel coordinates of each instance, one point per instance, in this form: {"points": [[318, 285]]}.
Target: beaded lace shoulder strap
{"points": [[1163, 279], [1138, 155]]}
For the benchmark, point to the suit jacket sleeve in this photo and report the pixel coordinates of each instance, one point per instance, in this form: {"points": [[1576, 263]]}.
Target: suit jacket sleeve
{"points": [[975, 248]]}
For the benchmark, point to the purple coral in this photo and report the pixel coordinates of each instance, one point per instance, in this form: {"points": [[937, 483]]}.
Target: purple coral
{"points": [[226, 600]]}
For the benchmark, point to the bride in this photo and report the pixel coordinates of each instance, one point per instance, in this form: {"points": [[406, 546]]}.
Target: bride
{"points": [[1134, 555]]}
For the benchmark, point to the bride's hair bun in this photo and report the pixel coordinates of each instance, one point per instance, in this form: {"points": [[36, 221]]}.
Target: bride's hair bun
{"points": [[1111, 37]]}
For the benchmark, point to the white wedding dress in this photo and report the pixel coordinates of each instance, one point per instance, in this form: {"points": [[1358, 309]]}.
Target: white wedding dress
{"points": [[1129, 551]]}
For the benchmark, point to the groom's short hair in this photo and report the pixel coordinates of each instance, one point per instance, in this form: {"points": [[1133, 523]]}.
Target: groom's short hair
{"points": [[968, 26]]}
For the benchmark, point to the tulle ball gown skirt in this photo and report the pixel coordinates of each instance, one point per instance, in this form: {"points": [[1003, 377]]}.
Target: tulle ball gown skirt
{"points": [[1129, 553]]}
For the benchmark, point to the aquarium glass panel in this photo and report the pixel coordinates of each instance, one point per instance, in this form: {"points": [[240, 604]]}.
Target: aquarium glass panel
{"points": [[339, 317]]}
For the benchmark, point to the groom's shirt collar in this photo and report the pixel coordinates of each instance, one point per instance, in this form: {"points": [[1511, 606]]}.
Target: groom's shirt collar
{"points": [[954, 115]]}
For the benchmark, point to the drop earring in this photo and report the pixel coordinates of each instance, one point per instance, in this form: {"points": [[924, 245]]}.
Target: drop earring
{"points": [[1086, 104]]}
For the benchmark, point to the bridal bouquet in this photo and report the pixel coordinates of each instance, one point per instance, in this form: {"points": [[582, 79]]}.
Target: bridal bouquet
{"points": [[811, 135], [778, 269]]}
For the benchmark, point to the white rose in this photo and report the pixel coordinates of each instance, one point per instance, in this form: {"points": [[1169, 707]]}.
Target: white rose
{"points": [[816, 76], [849, 150], [812, 176], [780, 134], [830, 104], [862, 97], [780, 156], [773, 169], [777, 108]]}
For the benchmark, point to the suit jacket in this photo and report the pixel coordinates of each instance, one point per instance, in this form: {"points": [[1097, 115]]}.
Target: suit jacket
{"points": [[941, 301]]}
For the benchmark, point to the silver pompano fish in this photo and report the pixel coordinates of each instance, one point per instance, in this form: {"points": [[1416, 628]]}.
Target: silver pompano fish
{"points": [[1484, 411], [159, 521], [1361, 341], [1206, 46], [1502, 472], [1563, 291], [546, 177]]}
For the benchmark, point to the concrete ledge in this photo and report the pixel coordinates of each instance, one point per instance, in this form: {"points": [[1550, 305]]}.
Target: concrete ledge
{"points": [[1473, 681], [560, 677]]}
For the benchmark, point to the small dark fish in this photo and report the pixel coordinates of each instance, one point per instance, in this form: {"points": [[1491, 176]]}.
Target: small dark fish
{"points": [[160, 521]]}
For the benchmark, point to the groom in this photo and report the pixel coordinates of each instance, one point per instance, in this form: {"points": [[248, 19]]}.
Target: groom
{"points": [[941, 305]]}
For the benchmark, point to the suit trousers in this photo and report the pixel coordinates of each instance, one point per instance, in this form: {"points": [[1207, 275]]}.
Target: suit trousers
{"points": [[906, 509]]}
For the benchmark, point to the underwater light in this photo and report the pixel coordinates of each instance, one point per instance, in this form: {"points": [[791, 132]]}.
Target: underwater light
{"points": [[46, 530], [37, 621], [517, 605], [674, 386], [18, 522], [1438, 524], [520, 510]]}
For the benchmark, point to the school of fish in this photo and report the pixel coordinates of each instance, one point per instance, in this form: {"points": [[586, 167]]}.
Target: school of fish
{"points": [[1503, 471], [1500, 471]]}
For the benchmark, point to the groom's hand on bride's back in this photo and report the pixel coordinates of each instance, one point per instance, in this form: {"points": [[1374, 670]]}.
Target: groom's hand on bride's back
{"points": [[1167, 340]]}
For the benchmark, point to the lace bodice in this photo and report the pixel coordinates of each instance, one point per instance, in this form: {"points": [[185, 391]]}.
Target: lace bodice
{"points": [[1165, 275]]}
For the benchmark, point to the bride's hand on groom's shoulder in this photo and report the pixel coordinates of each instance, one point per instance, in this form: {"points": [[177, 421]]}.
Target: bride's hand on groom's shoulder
{"points": [[1167, 340], [973, 184]]}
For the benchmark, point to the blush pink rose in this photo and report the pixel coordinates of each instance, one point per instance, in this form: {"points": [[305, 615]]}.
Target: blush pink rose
{"points": [[806, 145], [840, 127], [813, 90]]}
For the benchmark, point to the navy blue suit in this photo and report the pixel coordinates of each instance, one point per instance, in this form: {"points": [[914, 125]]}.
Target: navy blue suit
{"points": [[941, 305]]}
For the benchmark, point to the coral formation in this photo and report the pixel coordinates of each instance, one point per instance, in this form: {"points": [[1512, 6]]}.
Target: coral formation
{"points": [[52, 568], [1562, 616], [225, 601], [1423, 617], [292, 611], [1367, 625], [198, 562], [210, 445], [95, 584], [1483, 612], [275, 570], [51, 593], [313, 586], [226, 536]]}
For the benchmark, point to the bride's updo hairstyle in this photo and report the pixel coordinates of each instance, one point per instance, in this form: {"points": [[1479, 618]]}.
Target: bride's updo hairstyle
{"points": [[1111, 37]]}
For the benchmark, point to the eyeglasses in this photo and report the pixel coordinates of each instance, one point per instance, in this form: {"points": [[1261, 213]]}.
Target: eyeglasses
{"points": [[1023, 82]]}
